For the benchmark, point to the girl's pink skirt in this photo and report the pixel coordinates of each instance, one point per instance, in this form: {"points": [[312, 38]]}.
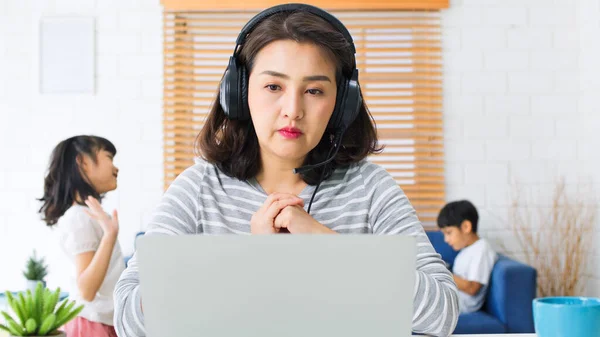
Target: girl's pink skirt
{"points": [[81, 327]]}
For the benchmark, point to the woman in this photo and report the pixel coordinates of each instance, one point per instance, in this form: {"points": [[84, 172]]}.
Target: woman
{"points": [[289, 115]]}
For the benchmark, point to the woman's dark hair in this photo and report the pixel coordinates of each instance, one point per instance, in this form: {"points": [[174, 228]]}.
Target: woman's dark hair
{"points": [[454, 213], [233, 145], [65, 179]]}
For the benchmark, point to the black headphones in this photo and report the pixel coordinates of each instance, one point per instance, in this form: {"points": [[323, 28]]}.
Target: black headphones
{"points": [[234, 84]]}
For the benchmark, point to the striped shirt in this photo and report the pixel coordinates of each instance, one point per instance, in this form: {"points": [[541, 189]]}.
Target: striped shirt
{"points": [[361, 198]]}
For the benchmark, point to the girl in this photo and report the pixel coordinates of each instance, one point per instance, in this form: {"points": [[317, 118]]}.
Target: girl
{"points": [[81, 171], [287, 120]]}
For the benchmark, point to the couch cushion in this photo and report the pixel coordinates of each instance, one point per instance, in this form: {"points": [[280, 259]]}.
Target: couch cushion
{"points": [[477, 323]]}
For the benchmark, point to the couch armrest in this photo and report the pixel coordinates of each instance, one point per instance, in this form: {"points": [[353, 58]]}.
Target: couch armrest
{"points": [[510, 295]]}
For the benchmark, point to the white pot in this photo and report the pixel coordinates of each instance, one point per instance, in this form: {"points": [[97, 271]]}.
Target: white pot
{"points": [[31, 285]]}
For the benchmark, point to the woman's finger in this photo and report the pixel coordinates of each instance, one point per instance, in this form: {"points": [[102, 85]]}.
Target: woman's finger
{"points": [[276, 197], [280, 222], [278, 205], [279, 197]]}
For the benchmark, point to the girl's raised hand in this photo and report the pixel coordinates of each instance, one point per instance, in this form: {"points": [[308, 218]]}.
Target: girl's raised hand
{"points": [[108, 224]]}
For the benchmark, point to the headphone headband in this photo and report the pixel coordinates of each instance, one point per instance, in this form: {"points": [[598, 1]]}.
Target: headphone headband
{"points": [[292, 7]]}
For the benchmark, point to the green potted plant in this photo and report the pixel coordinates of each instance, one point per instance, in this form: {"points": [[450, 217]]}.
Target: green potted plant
{"points": [[36, 313], [35, 272]]}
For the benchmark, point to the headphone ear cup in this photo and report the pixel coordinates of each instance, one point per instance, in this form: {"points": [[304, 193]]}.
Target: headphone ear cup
{"points": [[228, 90], [244, 113], [352, 101], [224, 93], [334, 121]]}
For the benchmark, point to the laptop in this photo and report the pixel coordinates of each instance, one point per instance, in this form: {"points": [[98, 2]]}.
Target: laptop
{"points": [[277, 285]]}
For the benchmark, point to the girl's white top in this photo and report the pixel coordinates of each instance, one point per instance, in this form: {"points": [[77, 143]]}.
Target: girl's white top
{"points": [[79, 233]]}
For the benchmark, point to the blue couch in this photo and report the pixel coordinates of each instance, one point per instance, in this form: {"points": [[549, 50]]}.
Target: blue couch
{"points": [[127, 258], [508, 305]]}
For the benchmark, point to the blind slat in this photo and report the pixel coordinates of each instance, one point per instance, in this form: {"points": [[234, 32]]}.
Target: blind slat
{"points": [[256, 5]]}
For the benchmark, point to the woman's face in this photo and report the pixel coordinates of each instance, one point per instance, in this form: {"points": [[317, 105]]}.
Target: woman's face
{"points": [[291, 96]]}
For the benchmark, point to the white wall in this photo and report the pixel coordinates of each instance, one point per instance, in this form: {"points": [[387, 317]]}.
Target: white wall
{"points": [[520, 78], [520, 105], [126, 109], [589, 18]]}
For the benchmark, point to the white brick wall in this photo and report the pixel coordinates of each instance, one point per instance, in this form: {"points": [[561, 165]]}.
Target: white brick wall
{"points": [[126, 109], [528, 38], [588, 143], [521, 104]]}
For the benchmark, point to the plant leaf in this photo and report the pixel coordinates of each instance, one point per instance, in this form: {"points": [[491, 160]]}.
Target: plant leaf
{"points": [[7, 317], [47, 295], [69, 317], [5, 328], [35, 268], [15, 328], [47, 325], [65, 312], [9, 297], [19, 312], [39, 302], [29, 303], [30, 326], [61, 308], [14, 304], [51, 304], [23, 306]]}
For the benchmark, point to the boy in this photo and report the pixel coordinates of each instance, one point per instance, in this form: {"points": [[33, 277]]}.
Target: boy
{"points": [[476, 258]]}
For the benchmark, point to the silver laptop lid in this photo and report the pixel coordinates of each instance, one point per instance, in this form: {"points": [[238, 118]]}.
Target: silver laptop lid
{"points": [[277, 285]]}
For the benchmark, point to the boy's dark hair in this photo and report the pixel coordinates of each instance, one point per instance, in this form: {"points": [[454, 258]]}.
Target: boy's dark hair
{"points": [[65, 179], [233, 145], [454, 213]]}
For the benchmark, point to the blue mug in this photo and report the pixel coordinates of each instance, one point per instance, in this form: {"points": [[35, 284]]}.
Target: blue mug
{"points": [[566, 316]]}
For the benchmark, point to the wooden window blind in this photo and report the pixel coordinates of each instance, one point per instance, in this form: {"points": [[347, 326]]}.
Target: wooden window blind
{"points": [[330, 5], [399, 61]]}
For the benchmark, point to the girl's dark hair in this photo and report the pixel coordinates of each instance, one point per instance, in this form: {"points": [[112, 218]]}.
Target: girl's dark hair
{"points": [[65, 179], [233, 145]]}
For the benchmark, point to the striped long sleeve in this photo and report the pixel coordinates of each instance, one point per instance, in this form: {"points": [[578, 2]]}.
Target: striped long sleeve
{"points": [[435, 295], [176, 214]]}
